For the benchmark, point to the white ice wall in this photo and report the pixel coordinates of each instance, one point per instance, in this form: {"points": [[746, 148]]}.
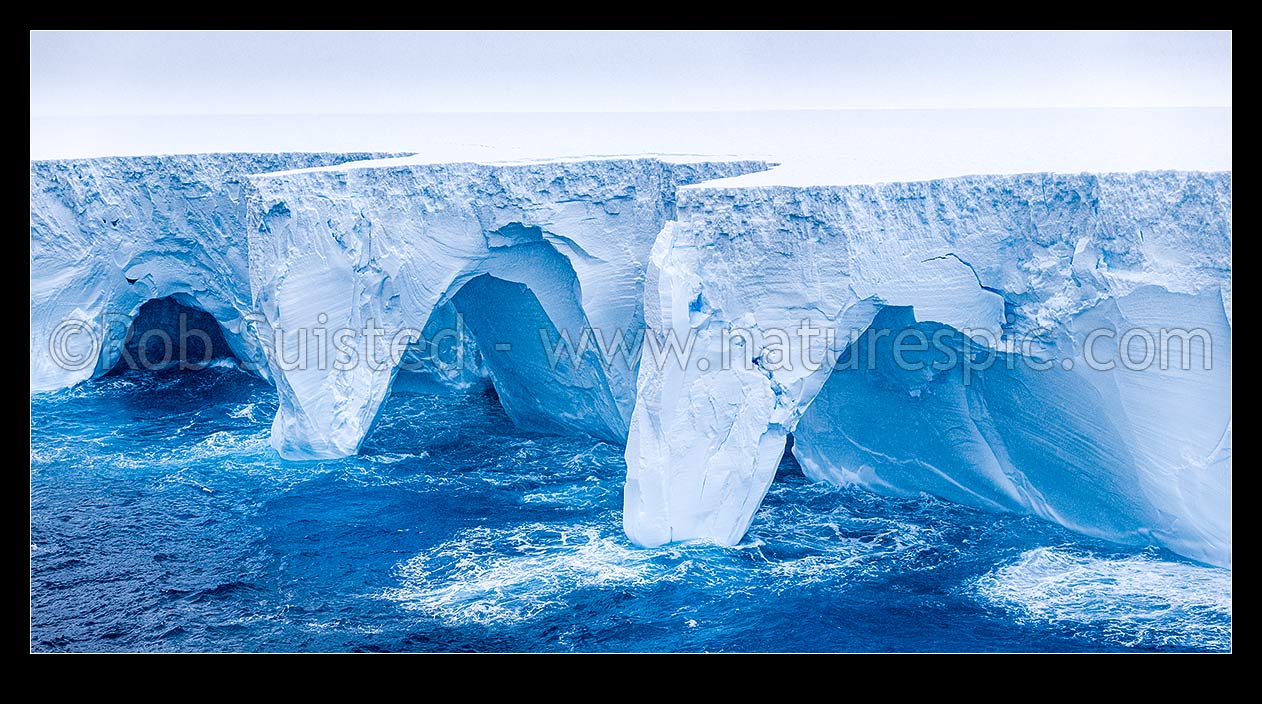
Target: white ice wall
{"points": [[381, 246], [109, 234], [1134, 456], [1012, 256]]}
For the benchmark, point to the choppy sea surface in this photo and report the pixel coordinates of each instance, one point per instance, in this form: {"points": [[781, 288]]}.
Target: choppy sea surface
{"points": [[161, 520]]}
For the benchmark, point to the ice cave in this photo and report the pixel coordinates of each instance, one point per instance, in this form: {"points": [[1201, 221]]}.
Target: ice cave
{"points": [[331, 276]]}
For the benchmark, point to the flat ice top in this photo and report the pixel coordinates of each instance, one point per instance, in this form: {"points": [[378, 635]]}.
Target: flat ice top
{"points": [[813, 147], [421, 159]]}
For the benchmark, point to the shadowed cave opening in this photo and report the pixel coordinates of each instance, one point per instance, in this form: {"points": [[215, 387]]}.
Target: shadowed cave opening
{"points": [[170, 333], [498, 335], [974, 426], [788, 466]]}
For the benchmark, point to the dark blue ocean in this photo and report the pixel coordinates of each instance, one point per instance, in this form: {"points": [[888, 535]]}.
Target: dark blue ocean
{"points": [[161, 520]]}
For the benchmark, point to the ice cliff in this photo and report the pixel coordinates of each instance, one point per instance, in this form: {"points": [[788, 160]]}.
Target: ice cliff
{"points": [[1030, 266], [109, 234], [338, 277], [515, 249]]}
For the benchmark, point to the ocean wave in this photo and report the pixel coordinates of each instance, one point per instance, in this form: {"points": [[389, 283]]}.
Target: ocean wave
{"points": [[548, 564], [225, 443], [1136, 601], [503, 576], [245, 412], [487, 576], [581, 496]]}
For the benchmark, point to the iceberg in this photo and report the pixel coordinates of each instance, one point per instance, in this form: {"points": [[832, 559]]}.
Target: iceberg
{"points": [[973, 338], [110, 234], [1033, 284], [368, 252]]}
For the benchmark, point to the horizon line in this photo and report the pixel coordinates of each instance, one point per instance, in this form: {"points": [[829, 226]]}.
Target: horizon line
{"points": [[638, 112]]}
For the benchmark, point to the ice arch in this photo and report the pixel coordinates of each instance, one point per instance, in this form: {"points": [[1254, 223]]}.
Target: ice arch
{"points": [[165, 333], [515, 294], [173, 328], [900, 426], [377, 249], [1137, 456], [1028, 435], [109, 234], [511, 316]]}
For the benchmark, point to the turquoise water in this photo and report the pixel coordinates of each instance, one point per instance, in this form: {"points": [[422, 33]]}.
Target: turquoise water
{"points": [[162, 520]]}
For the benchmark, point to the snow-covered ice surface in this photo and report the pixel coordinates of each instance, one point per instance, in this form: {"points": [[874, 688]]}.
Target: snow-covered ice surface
{"points": [[1041, 226], [815, 147]]}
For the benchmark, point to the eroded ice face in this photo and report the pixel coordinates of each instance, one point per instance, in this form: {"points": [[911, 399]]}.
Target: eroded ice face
{"points": [[1140, 456]]}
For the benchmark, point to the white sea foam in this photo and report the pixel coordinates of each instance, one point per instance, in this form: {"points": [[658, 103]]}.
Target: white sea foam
{"points": [[577, 496], [487, 576], [1139, 600], [228, 443]]}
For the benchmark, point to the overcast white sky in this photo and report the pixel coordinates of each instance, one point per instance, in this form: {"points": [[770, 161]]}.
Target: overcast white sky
{"points": [[222, 73]]}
